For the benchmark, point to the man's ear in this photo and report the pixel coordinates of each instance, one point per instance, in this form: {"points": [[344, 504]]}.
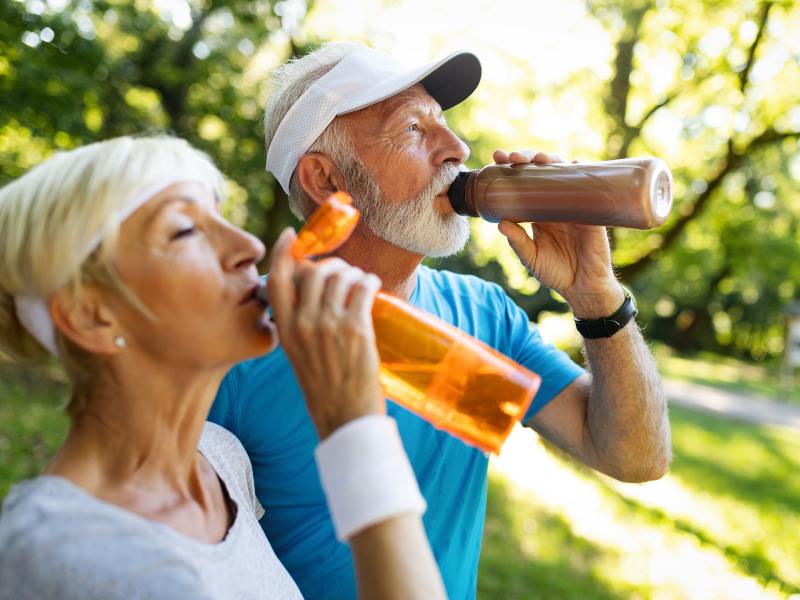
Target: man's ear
{"points": [[85, 320], [319, 176]]}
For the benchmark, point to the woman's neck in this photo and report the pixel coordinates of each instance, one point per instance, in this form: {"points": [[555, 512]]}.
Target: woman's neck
{"points": [[137, 435]]}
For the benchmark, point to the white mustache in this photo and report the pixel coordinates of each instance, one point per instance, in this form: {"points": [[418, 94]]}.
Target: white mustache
{"points": [[440, 182]]}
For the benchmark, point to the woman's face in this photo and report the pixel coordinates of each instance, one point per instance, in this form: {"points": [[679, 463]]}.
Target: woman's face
{"points": [[197, 273]]}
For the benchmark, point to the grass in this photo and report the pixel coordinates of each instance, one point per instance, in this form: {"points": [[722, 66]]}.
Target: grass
{"points": [[32, 423], [723, 524], [729, 374], [761, 379]]}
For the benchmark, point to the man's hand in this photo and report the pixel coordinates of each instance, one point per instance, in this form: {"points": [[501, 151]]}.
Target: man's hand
{"points": [[574, 260]]}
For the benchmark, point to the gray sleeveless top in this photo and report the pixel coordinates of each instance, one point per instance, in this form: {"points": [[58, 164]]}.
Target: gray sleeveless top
{"points": [[58, 541]]}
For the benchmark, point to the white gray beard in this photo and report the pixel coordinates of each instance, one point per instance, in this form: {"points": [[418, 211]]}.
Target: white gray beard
{"points": [[414, 224]]}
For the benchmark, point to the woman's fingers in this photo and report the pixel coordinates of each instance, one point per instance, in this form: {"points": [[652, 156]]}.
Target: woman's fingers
{"points": [[280, 282], [338, 288], [363, 298], [311, 286]]}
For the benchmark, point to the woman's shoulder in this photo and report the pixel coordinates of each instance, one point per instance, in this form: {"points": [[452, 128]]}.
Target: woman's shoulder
{"points": [[43, 505], [60, 542], [227, 456], [218, 441]]}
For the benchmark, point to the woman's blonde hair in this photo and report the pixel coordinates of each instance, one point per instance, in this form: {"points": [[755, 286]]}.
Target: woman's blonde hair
{"points": [[59, 224]]}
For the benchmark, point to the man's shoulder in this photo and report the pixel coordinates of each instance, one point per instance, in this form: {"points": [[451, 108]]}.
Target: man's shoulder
{"points": [[272, 369]]}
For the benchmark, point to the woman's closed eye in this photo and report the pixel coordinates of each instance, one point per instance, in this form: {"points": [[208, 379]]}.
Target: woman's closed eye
{"points": [[183, 232]]}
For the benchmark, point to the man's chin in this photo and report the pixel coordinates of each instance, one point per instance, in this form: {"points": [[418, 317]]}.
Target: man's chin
{"points": [[456, 239], [438, 246]]}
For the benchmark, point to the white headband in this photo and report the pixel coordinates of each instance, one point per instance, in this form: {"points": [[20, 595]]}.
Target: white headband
{"points": [[362, 79], [33, 312]]}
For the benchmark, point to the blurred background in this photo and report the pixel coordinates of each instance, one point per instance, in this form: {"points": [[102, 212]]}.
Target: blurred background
{"points": [[711, 87]]}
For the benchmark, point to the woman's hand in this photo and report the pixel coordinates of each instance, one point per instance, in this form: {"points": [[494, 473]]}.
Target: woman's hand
{"points": [[323, 311]]}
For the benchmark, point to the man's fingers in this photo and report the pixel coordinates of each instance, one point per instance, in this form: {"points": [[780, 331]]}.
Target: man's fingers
{"points": [[521, 156], [526, 156], [520, 241], [500, 156], [545, 158]]}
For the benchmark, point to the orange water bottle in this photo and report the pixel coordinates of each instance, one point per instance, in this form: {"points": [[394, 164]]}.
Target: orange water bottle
{"points": [[457, 383]]}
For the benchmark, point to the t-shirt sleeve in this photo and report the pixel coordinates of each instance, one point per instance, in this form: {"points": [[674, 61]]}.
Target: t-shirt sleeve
{"points": [[229, 455], [527, 347]]}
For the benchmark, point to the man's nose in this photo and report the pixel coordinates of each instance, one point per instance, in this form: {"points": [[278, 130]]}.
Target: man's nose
{"points": [[450, 148]]}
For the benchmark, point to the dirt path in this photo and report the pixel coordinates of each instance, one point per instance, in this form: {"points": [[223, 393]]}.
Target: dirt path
{"points": [[743, 407]]}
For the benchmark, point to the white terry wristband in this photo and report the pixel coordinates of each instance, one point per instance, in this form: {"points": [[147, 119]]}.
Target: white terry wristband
{"points": [[366, 475]]}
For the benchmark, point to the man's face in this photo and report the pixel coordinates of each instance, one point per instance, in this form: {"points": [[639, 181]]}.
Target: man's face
{"points": [[406, 158]]}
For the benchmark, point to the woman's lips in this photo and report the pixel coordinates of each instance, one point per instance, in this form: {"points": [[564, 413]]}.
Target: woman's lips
{"points": [[258, 293]]}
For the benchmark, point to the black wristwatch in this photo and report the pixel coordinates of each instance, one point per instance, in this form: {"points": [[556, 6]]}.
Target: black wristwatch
{"points": [[607, 326]]}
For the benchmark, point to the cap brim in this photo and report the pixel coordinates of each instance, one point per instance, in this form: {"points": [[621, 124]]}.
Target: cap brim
{"points": [[454, 80], [449, 81]]}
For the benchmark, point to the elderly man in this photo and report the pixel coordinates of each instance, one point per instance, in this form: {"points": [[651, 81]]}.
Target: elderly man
{"points": [[349, 118]]}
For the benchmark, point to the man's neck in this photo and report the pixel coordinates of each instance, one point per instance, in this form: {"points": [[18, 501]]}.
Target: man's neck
{"points": [[396, 267]]}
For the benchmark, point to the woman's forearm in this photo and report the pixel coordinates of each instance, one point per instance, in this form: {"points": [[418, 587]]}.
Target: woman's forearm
{"points": [[394, 561]]}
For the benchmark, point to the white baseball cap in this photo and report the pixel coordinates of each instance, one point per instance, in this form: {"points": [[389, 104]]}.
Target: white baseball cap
{"points": [[363, 78]]}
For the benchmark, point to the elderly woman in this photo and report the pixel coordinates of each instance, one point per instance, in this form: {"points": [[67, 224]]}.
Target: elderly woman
{"points": [[114, 258]]}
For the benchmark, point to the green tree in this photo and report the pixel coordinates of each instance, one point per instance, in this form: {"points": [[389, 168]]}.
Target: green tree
{"points": [[714, 88], [91, 70], [719, 273]]}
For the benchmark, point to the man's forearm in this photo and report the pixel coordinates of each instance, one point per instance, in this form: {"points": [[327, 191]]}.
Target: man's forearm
{"points": [[626, 414]]}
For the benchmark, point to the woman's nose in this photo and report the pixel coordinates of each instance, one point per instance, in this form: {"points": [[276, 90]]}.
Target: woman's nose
{"points": [[242, 249]]}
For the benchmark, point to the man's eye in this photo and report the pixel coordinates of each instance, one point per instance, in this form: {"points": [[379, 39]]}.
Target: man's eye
{"points": [[187, 231], [412, 127]]}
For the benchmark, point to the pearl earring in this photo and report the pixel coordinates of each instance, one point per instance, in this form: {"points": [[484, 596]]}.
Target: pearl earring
{"points": [[120, 342]]}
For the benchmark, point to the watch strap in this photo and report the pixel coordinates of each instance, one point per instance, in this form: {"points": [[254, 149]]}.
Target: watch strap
{"points": [[607, 326]]}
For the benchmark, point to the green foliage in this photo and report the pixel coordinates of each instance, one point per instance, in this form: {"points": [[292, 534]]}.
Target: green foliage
{"points": [[32, 424], [101, 69], [714, 88]]}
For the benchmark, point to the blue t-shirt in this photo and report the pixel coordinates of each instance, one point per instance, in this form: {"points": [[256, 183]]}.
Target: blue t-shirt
{"points": [[261, 403]]}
